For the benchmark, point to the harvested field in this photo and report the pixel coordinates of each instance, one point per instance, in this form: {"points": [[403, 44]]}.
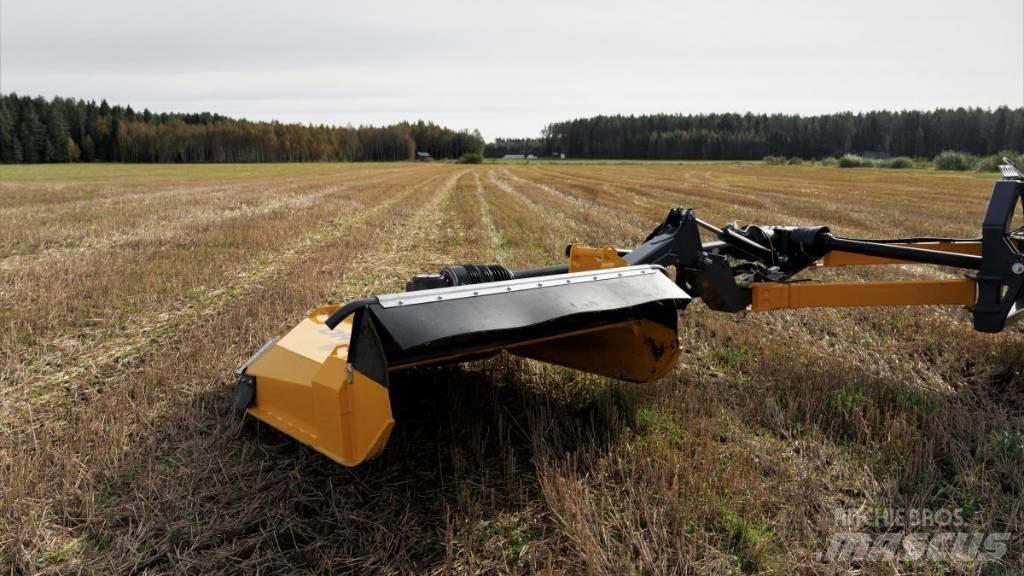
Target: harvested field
{"points": [[129, 294]]}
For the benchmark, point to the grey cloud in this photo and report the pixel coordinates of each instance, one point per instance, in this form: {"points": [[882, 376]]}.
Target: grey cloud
{"points": [[508, 68]]}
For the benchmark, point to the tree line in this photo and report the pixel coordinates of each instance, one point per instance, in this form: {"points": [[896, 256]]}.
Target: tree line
{"points": [[70, 130], [976, 131]]}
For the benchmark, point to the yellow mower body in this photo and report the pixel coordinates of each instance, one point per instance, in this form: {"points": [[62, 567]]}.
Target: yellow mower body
{"points": [[304, 385], [306, 389]]}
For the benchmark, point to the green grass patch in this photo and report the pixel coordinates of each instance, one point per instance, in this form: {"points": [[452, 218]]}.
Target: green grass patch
{"points": [[659, 426], [751, 541], [57, 556], [1005, 445], [730, 357], [514, 534]]}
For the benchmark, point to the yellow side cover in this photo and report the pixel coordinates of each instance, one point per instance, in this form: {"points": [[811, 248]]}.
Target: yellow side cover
{"points": [[306, 388]]}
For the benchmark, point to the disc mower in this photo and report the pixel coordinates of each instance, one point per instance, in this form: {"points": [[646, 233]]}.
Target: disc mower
{"points": [[606, 311]]}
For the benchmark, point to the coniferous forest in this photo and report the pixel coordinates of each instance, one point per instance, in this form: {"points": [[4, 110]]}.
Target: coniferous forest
{"points": [[34, 130], [752, 136], [68, 130]]}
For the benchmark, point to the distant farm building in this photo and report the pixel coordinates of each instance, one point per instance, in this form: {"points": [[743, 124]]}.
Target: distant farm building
{"points": [[519, 157], [424, 156]]}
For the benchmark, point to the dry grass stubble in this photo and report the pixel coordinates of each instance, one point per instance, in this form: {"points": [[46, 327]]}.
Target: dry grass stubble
{"points": [[118, 454]]}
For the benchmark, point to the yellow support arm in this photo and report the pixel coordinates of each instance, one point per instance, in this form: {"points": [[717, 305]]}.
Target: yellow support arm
{"points": [[772, 296]]}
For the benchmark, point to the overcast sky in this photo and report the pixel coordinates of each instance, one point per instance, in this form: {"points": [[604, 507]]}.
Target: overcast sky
{"points": [[510, 67]]}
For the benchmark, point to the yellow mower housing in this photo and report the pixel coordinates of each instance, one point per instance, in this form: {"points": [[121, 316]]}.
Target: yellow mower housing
{"points": [[325, 383]]}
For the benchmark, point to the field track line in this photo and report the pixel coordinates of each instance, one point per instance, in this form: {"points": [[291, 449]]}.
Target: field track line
{"points": [[498, 247], [549, 212], [417, 248], [580, 220], [613, 218], [58, 437], [715, 193], [47, 206], [635, 194], [167, 229], [706, 195], [158, 226], [144, 336]]}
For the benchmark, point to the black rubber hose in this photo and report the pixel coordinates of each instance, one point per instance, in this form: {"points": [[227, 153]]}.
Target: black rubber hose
{"points": [[350, 308], [545, 271], [744, 244]]}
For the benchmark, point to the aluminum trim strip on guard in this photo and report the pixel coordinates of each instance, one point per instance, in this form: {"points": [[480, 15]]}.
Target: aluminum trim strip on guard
{"points": [[266, 346], [1009, 171], [516, 285]]}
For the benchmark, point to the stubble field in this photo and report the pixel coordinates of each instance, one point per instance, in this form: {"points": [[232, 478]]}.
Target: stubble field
{"points": [[128, 295]]}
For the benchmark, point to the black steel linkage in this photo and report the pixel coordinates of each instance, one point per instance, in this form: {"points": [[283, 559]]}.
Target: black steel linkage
{"points": [[921, 255]]}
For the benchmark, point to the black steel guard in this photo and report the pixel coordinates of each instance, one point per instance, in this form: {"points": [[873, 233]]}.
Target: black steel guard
{"points": [[1001, 277]]}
